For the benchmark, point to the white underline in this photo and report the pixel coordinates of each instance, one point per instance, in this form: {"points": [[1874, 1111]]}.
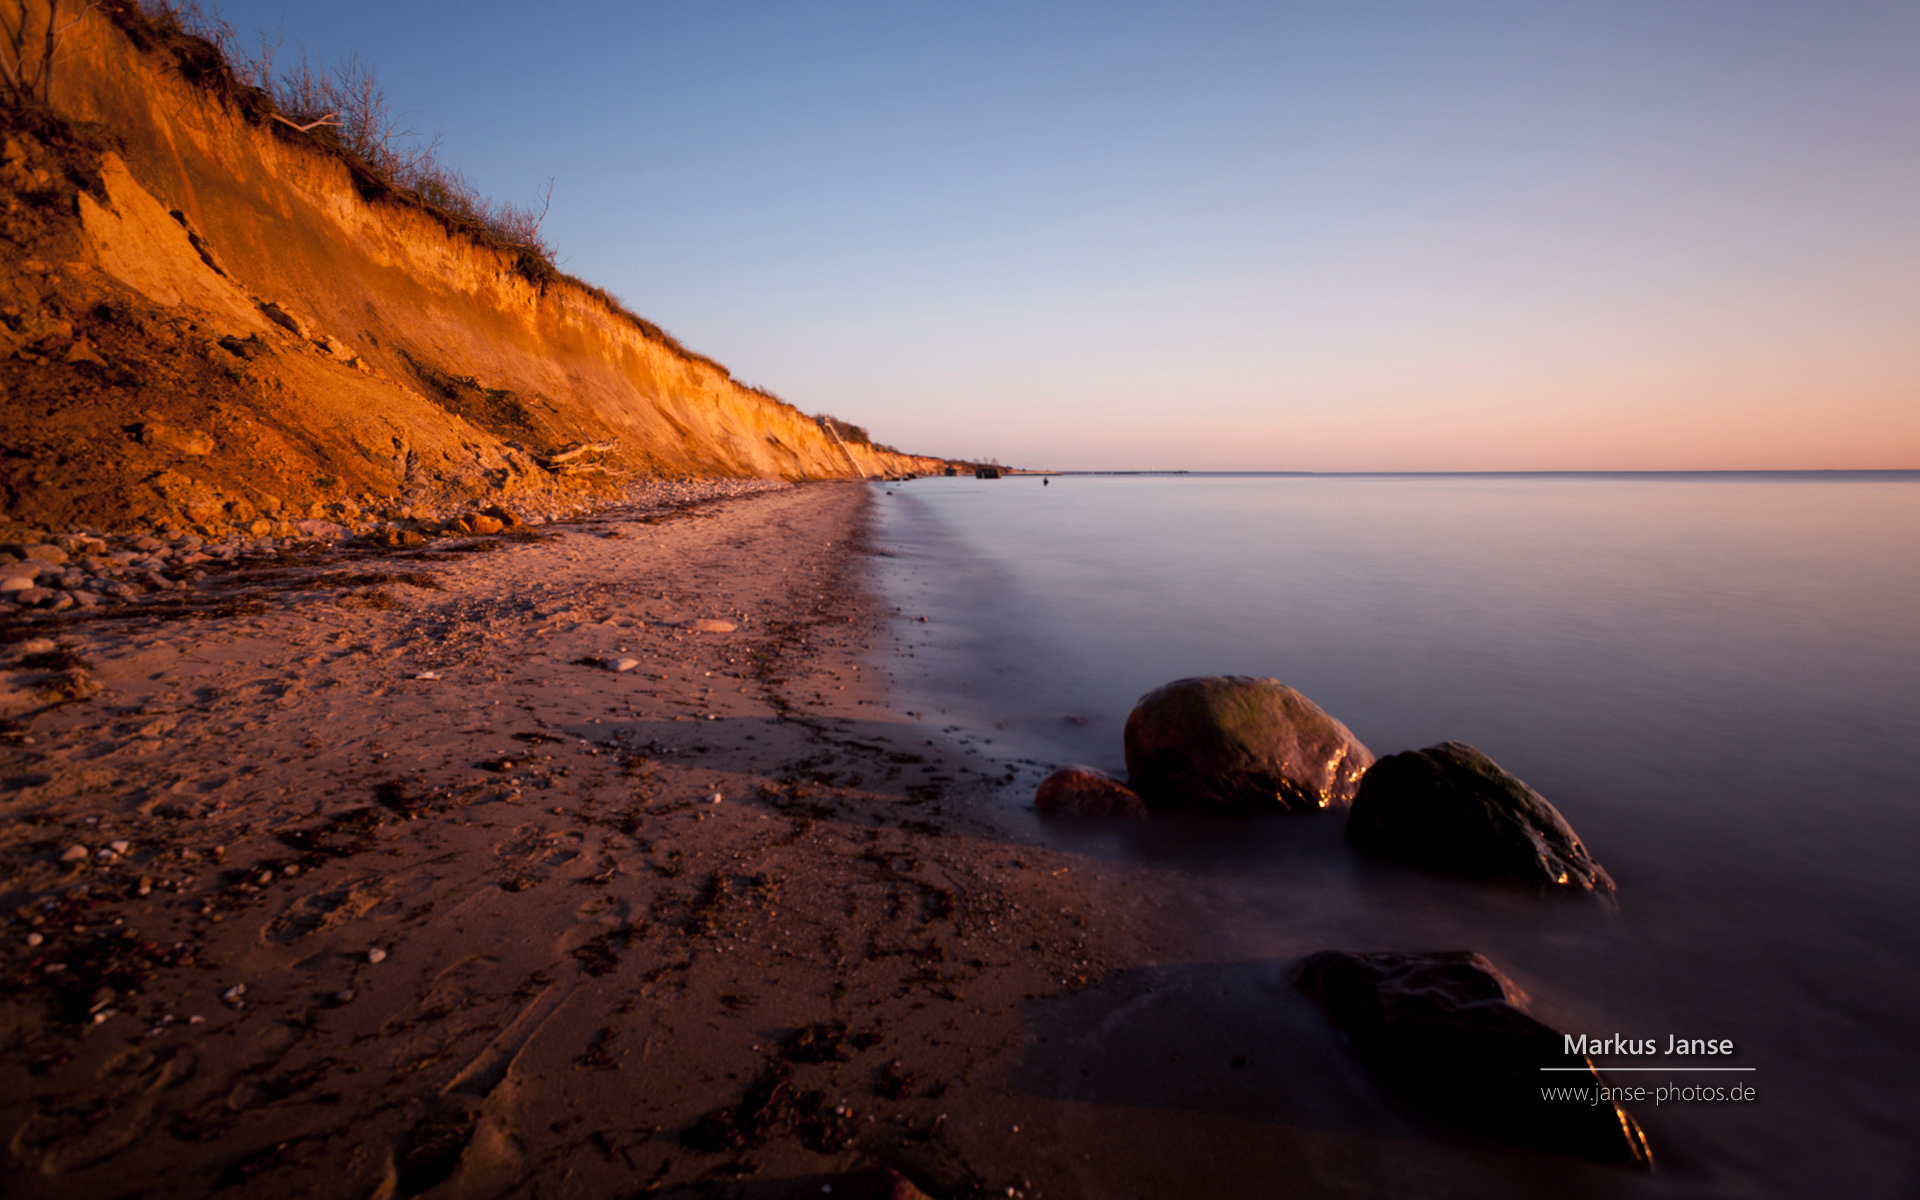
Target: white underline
{"points": [[1597, 1068]]}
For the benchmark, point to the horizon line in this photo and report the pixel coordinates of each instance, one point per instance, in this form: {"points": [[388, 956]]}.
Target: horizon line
{"points": [[1828, 471]]}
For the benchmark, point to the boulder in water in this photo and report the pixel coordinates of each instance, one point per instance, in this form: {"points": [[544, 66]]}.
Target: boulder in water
{"points": [[1451, 808], [1237, 743], [1447, 1030], [1087, 792]]}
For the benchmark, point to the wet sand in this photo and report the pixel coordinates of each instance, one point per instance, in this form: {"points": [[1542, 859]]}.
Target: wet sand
{"points": [[594, 977]]}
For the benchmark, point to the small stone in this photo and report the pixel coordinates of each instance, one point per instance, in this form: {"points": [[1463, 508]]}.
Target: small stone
{"points": [[82, 351], [120, 847], [624, 664], [1087, 792], [36, 552], [376, 955], [343, 996], [705, 625], [34, 939], [233, 994], [74, 853], [428, 675], [36, 595], [715, 798], [173, 439], [38, 646], [273, 311]]}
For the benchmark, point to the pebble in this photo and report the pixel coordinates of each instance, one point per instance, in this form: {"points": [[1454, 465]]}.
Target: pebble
{"points": [[232, 995], [715, 798], [376, 955], [119, 847], [626, 664], [343, 996], [705, 625], [74, 853], [34, 939]]}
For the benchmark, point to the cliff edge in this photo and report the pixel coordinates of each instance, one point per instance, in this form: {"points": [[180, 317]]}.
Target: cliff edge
{"points": [[207, 319]]}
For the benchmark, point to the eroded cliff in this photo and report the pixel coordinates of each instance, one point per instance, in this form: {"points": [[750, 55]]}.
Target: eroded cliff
{"points": [[207, 320]]}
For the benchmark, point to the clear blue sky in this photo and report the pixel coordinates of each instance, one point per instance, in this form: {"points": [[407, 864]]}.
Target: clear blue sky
{"points": [[1328, 236]]}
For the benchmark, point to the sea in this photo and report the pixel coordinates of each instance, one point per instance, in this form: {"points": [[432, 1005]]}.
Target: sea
{"points": [[1715, 677]]}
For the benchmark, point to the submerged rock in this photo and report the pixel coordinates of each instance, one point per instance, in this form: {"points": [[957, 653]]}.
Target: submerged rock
{"points": [[1238, 743], [1086, 792], [1451, 808], [1447, 1030]]}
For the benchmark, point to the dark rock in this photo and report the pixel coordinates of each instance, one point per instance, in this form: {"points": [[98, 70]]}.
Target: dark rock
{"points": [[1447, 1030], [1451, 808], [1237, 743], [1087, 792]]}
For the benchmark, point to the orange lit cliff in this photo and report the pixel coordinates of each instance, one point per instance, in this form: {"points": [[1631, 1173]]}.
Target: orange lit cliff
{"points": [[206, 319]]}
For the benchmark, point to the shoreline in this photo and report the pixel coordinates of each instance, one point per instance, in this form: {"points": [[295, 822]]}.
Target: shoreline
{"points": [[587, 969]]}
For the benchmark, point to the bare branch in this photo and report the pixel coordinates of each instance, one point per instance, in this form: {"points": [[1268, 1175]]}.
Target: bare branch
{"points": [[331, 120], [546, 202]]}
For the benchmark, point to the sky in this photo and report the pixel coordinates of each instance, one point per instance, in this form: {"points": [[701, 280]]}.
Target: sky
{"points": [[1339, 236]]}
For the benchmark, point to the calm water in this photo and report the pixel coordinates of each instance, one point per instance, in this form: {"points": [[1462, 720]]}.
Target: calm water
{"points": [[1716, 678]]}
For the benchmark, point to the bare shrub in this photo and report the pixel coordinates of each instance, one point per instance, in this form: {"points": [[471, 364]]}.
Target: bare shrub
{"points": [[344, 108]]}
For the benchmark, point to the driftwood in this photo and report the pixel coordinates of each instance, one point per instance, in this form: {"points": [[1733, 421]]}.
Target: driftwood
{"points": [[555, 460]]}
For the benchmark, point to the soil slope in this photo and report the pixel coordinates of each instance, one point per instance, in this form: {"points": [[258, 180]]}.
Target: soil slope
{"points": [[207, 320]]}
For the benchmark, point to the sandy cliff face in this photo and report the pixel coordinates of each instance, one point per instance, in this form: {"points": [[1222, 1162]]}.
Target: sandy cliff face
{"points": [[203, 320]]}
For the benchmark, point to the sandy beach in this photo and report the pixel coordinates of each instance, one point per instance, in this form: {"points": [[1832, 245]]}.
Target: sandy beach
{"points": [[393, 881]]}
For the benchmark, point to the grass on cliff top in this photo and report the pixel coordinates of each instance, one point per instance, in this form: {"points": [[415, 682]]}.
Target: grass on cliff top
{"points": [[343, 111]]}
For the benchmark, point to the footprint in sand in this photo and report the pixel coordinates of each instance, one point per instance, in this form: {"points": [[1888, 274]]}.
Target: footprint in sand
{"points": [[465, 1133]]}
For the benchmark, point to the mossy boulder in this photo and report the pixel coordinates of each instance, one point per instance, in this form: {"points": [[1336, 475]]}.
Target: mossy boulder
{"points": [[1240, 744], [1451, 808]]}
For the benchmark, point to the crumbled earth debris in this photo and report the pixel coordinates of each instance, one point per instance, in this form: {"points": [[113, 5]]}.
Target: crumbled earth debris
{"points": [[333, 921]]}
